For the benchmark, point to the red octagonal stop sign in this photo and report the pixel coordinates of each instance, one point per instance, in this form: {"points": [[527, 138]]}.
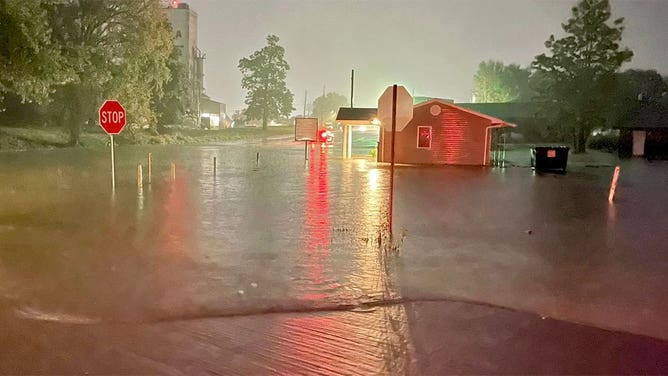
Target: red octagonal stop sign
{"points": [[112, 117]]}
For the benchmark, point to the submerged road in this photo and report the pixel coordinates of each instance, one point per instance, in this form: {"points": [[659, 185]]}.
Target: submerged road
{"points": [[286, 267]]}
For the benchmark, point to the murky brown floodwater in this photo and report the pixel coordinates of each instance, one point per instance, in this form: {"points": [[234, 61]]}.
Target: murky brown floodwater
{"points": [[275, 267], [278, 235]]}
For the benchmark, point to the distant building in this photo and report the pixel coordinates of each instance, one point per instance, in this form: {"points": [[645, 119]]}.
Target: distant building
{"points": [[184, 22], [646, 133], [213, 113], [184, 26]]}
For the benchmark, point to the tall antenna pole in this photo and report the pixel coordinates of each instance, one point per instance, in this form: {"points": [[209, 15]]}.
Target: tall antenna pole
{"points": [[305, 96], [352, 87], [323, 90]]}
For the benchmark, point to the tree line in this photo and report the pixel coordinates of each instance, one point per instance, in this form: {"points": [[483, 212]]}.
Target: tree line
{"points": [[66, 56], [578, 83], [62, 58]]}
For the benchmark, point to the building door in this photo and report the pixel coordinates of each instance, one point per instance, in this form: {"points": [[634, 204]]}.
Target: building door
{"points": [[639, 143]]}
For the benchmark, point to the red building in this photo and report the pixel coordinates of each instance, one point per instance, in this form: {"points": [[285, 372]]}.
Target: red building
{"points": [[441, 132]]}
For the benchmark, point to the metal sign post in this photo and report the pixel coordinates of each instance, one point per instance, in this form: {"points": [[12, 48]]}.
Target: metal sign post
{"points": [[112, 118], [113, 164], [394, 130]]}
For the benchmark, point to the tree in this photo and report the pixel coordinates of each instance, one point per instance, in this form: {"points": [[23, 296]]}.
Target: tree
{"points": [[116, 49], [31, 63], [326, 106], [579, 75], [495, 82], [264, 74]]}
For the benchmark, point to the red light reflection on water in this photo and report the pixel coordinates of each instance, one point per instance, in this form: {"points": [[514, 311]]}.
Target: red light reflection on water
{"points": [[176, 218], [317, 227]]}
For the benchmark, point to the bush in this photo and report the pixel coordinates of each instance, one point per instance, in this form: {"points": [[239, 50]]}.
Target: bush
{"points": [[608, 143]]}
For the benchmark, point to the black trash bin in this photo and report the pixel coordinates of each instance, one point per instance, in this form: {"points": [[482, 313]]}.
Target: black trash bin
{"points": [[550, 158]]}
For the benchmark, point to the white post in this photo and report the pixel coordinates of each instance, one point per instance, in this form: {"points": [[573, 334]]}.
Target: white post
{"points": [[350, 142], [150, 167], [113, 167], [140, 176], [345, 141]]}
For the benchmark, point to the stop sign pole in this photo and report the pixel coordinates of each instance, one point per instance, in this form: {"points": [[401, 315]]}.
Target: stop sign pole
{"points": [[112, 118]]}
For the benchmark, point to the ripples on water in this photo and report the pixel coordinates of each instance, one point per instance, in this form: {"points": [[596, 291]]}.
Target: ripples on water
{"points": [[253, 234], [281, 235]]}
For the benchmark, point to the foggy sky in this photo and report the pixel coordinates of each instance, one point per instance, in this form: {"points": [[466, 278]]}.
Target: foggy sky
{"points": [[432, 47]]}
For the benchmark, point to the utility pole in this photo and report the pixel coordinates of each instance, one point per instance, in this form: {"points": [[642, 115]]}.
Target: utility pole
{"points": [[199, 82], [352, 87], [305, 96]]}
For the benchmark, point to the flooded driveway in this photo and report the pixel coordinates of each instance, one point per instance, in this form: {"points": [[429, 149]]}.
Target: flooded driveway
{"points": [[274, 265]]}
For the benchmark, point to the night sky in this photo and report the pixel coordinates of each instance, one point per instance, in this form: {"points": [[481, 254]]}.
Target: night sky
{"points": [[433, 47]]}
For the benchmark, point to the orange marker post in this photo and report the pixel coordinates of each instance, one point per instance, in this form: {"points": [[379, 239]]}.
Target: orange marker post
{"points": [[613, 185]]}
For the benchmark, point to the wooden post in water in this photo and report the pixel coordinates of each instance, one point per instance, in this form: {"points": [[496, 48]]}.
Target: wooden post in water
{"points": [[214, 166], [140, 178], [172, 170], [150, 167]]}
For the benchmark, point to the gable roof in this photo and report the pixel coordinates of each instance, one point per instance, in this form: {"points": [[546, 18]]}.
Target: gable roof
{"points": [[648, 117], [356, 113], [420, 99], [493, 120]]}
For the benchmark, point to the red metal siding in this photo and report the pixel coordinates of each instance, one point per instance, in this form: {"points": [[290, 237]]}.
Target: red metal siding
{"points": [[458, 137]]}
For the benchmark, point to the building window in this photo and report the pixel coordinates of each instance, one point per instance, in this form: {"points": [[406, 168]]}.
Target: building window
{"points": [[424, 137]]}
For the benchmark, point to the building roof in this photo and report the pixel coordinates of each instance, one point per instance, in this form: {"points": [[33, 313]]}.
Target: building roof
{"points": [[495, 121], [650, 117], [419, 100], [356, 113], [510, 111]]}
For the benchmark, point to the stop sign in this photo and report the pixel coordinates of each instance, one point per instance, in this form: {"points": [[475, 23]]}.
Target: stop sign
{"points": [[404, 108], [112, 117]]}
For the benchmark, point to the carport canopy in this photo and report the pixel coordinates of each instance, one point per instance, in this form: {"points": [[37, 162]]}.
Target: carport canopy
{"points": [[356, 116]]}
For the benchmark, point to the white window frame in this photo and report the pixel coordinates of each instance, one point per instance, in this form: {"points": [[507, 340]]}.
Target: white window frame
{"points": [[431, 137]]}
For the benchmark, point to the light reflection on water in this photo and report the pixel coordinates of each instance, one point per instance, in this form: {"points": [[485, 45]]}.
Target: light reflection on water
{"points": [[252, 238]]}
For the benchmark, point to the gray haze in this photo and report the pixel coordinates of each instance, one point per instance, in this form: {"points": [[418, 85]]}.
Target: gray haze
{"points": [[432, 47]]}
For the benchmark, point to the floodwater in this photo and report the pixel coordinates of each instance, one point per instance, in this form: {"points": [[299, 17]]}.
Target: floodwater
{"points": [[269, 235], [276, 265]]}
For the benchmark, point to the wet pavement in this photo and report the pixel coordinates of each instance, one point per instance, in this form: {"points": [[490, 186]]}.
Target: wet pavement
{"points": [[286, 267]]}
